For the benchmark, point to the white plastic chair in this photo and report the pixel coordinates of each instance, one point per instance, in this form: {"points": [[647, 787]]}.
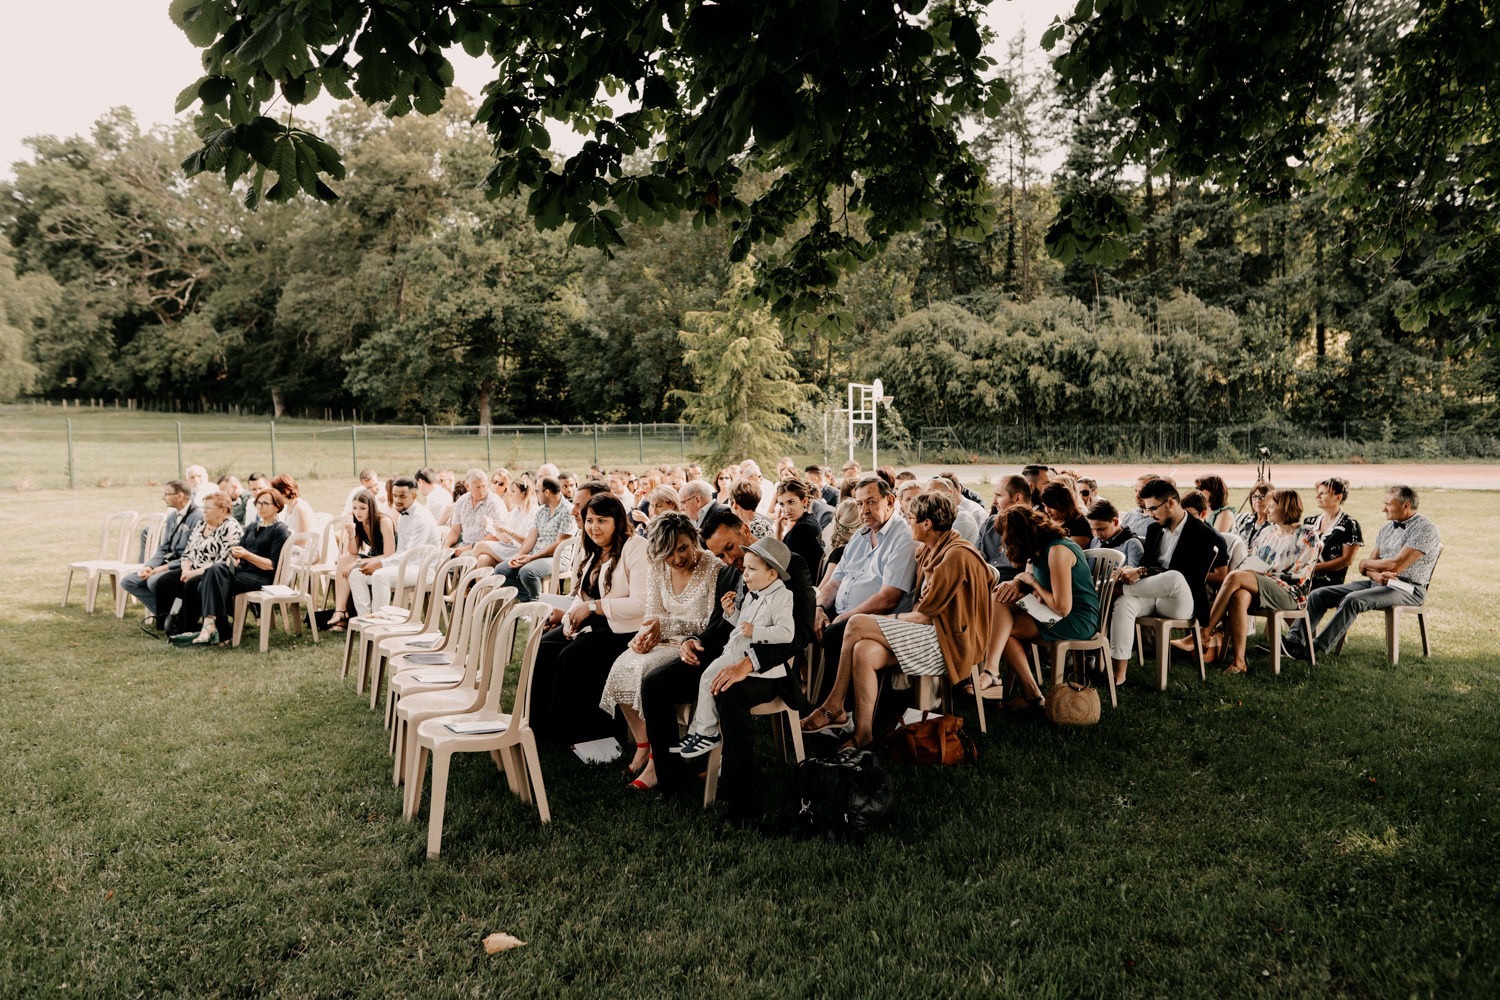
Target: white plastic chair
{"points": [[447, 660], [114, 549], [1393, 618], [148, 528], [512, 744], [291, 571], [445, 695], [445, 581], [776, 707]]}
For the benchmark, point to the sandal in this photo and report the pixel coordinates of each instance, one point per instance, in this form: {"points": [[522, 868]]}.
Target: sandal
{"points": [[809, 724], [639, 784], [1024, 703], [633, 768], [337, 622], [988, 679]]}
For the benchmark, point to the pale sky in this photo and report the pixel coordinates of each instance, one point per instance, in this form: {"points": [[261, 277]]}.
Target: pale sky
{"points": [[63, 63]]}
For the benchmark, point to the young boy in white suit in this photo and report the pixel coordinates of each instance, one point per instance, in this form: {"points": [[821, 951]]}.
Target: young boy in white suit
{"points": [[765, 615]]}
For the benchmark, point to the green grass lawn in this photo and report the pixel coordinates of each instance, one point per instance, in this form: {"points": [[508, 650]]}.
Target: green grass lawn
{"points": [[221, 823]]}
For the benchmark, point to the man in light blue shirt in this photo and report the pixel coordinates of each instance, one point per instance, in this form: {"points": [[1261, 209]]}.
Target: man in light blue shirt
{"points": [[876, 575], [1397, 573]]}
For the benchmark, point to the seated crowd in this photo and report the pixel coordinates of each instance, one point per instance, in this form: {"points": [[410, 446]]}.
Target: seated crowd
{"points": [[720, 595]]}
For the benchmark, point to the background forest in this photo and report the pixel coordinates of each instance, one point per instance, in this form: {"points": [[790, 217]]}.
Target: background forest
{"points": [[414, 298]]}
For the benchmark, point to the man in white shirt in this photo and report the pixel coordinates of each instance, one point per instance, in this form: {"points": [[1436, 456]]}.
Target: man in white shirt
{"points": [[368, 480], [435, 495], [197, 478], [552, 526], [372, 580]]}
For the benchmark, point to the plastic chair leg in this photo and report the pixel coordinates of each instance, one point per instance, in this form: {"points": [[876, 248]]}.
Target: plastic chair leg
{"points": [[438, 804], [534, 767]]}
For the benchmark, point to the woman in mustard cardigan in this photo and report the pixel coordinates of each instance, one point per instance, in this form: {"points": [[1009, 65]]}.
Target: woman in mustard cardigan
{"points": [[947, 632]]}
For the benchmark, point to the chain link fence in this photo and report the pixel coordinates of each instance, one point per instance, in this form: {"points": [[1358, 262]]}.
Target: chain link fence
{"points": [[55, 447]]}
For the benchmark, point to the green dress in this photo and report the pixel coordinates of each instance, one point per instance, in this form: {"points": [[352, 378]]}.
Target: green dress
{"points": [[1083, 621]]}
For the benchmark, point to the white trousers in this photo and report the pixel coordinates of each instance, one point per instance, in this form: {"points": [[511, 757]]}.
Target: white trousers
{"points": [[1164, 595], [373, 591]]}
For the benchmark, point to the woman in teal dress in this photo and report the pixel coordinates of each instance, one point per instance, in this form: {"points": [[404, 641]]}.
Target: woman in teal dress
{"points": [[1056, 585]]}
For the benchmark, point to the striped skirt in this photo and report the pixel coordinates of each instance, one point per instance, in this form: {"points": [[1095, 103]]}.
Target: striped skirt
{"points": [[916, 647]]}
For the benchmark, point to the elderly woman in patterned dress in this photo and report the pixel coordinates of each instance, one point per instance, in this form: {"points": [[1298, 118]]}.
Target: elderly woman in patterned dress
{"points": [[679, 602], [211, 542]]}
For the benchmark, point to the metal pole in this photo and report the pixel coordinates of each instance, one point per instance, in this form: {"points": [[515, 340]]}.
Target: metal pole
{"points": [[851, 421], [544, 444], [181, 474], [641, 451], [596, 444], [273, 448], [72, 468], [682, 441], [874, 436], [354, 447], [425, 462], [488, 462]]}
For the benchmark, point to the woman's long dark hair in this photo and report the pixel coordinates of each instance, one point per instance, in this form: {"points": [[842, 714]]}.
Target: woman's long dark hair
{"points": [[366, 532], [1059, 497], [604, 505], [1027, 534]]}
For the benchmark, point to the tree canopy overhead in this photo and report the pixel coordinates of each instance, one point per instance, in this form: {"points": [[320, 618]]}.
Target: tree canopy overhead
{"points": [[853, 107]]}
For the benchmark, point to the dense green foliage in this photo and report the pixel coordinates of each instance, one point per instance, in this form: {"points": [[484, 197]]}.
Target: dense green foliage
{"points": [[1226, 265], [853, 108]]}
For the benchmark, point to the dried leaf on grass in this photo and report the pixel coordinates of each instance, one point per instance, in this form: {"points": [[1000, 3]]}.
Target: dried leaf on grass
{"points": [[501, 942]]}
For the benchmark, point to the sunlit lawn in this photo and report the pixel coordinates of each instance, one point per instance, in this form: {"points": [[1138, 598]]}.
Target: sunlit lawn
{"points": [[211, 823]]}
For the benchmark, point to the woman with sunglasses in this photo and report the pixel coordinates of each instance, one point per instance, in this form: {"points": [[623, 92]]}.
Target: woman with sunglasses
{"points": [[1251, 522]]}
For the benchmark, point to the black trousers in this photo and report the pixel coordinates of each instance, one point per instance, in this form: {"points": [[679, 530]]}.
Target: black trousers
{"points": [[569, 678], [666, 687], [833, 645], [220, 582], [187, 618]]}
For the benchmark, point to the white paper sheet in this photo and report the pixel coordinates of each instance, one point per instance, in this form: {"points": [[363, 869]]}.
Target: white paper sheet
{"points": [[597, 751], [477, 727]]}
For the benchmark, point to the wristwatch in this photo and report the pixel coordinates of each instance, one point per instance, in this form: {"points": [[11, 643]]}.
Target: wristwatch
{"points": [[593, 607]]}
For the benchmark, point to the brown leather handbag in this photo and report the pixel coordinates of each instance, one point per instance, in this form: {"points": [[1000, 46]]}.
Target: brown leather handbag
{"points": [[933, 739]]}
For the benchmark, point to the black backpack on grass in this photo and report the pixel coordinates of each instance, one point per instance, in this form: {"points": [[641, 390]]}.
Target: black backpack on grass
{"points": [[842, 796]]}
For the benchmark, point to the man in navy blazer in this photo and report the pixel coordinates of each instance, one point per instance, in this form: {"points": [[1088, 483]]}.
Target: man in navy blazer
{"points": [[1179, 552], [665, 687], [166, 562]]}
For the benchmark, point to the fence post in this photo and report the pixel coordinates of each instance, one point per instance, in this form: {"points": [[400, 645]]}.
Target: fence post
{"points": [[682, 442], [425, 462], [488, 462], [354, 447], [545, 460], [180, 473], [596, 444], [72, 467], [273, 448], [641, 450]]}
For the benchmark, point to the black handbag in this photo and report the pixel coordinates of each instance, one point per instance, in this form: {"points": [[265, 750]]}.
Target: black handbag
{"points": [[840, 797]]}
